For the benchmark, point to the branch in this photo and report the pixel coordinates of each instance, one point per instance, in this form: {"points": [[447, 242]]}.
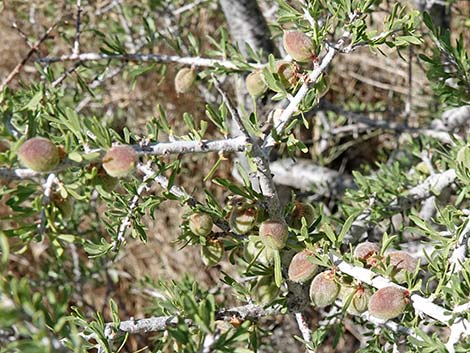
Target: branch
{"points": [[420, 304], [263, 171], [304, 329], [286, 115], [76, 41], [30, 53], [139, 57], [250, 312], [433, 185], [126, 222], [162, 148]]}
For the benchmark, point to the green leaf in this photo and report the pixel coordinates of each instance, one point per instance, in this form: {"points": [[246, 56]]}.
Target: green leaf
{"points": [[277, 268]]}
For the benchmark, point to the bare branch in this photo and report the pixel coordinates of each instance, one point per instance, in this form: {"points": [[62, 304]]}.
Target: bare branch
{"points": [[304, 329], [263, 171], [30, 53], [76, 41], [161, 58]]}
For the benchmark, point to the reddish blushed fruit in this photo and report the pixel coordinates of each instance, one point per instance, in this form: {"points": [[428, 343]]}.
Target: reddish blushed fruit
{"points": [[39, 154], [324, 289], [388, 303], [402, 262], [299, 46], [301, 268], [274, 233], [243, 218], [212, 252], [119, 161], [366, 250], [200, 224], [184, 80], [255, 84], [302, 210]]}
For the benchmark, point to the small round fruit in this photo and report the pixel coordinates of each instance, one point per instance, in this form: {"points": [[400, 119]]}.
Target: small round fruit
{"points": [[39, 154], [242, 219], [360, 300], [366, 250], [119, 161], [301, 268], [274, 233], [255, 84], [200, 224], [302, 210], [184, 80], [212, 252], [324, 290], [265, 291], [299, 46], [254, 248], [387, 303], [402, 262]]}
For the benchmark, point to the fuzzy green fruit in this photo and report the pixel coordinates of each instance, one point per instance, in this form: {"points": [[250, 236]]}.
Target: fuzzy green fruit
{"points": [[119, 161], [39, 154], [366, 250], [387, 303], [324, 289], [402, 262], [243, 218], [184, 80], [212, 252], [265, 291], [255, 84], [200, 224], [359, 299], [274, 233], [302, 210], [299, 46], [255, 246], [301, 268]]}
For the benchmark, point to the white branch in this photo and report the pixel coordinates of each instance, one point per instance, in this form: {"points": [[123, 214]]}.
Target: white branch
{"points": [[237, 144], [161, 58], [304, 330], [420, 304]]}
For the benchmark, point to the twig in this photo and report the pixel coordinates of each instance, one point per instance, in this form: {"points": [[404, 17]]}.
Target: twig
{"points": [[434, 184], [459, 254], [47, 192], [126, 222], [304, 329], [164, 148], [263, 172], [30, 53], [286, 115], [161, 58], [76, 41]]}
